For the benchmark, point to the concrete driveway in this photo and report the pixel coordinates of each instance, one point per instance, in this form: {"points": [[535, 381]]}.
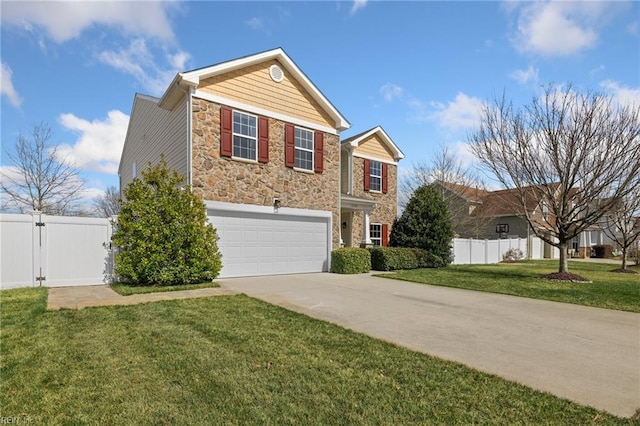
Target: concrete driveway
{"points": [[588, 355]]}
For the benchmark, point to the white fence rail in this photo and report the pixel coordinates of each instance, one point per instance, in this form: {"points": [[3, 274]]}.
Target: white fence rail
{"points": [[470, 251], [40, 250]]}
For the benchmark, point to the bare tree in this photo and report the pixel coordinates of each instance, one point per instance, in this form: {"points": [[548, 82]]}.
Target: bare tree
{"points": [[38, 179], [622, 223], [108, 204], [573, 154], [458, 184]]}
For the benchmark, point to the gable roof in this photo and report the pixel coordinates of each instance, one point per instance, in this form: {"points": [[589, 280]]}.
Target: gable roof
{"points": [[187, 79], [355, 140], [503, 202], [467, 192]]}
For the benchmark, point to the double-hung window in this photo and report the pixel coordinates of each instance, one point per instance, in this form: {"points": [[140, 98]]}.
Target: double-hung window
{"points": [[245, 135], [375, 234], [375, 175], [303, 149]]}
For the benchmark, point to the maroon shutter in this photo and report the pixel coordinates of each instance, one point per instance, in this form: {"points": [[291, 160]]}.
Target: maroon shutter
{"points": [[385, 235], [226, 131], [367, 176], [384, 177], [263, 139], [289, 145], [319, 152]]}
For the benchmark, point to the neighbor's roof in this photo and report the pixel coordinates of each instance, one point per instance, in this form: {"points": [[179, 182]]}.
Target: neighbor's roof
{"points": [[192, 78], [468, 192], [355, 140]]}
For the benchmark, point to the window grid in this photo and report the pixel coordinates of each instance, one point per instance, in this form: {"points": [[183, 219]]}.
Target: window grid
{"points": [[375, 175], [375, 234], [245, 136], [303, 149]]}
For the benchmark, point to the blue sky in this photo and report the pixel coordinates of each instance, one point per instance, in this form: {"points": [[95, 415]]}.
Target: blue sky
{"points": [[421, 70]]}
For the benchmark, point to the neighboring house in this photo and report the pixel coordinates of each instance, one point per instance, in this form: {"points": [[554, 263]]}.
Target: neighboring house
{"points": [[258, 141], [497, 214]]}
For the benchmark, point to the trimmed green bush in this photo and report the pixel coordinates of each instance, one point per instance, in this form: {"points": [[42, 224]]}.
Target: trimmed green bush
{"points": [[162, 235], [427, 259], [392, 258], [350, 260]]}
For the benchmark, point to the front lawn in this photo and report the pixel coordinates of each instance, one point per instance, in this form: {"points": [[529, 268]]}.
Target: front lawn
{"points": [[608, 290], [236, 360]]}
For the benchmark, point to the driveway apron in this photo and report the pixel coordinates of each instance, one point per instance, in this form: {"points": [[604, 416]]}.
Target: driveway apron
{"points": [[588, 355]]}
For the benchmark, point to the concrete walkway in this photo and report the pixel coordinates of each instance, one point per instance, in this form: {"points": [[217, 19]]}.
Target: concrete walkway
{"points": [[102, 295], [588, 355]]}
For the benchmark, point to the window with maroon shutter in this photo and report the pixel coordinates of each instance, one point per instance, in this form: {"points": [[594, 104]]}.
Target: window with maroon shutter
{"points": [[289, 145], [263, 139], [367, 176], [226, 131], [375, 234], [318, 165], [385, 172], [385, 235]]}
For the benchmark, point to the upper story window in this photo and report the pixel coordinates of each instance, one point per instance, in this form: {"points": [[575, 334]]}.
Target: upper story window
{"points": [[304, 149], [545, 211], [245, 135], [375, 175]]}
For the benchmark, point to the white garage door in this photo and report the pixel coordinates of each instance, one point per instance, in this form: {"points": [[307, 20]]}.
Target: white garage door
{"points": [[255, 243]]}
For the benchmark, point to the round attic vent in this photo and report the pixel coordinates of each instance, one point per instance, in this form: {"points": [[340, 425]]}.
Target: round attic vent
{"points": [[276, 73]]}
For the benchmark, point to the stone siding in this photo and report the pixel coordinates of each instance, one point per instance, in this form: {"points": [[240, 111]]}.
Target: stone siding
{"points": [[387, 207], [217, 178]]}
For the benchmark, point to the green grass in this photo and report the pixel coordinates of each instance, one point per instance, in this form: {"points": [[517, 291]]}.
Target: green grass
{"points": [[608, 290], [127, 290], [203, 361]]}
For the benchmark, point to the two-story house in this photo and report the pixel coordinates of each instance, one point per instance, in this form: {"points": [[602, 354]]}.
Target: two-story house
{"points": [[260, 144]]}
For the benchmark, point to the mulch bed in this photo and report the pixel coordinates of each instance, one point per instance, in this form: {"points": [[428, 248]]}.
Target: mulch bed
{"points": [[567, 276], [624, 271]]}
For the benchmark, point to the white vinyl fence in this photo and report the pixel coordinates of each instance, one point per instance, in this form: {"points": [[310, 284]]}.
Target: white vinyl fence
{"points": [[470, 251], [53, 251]]}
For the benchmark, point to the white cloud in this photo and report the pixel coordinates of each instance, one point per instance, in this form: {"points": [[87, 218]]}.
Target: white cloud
{"points": [[390, 91], [463, 112], [138, 61], [255, 23], [66, 20], [530, 75], [559, 28], [99, 145], [633, 28], [621, 94], [6, 86], [357, 5]]}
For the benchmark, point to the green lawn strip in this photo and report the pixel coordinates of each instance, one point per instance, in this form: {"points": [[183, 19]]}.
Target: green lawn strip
{"points": [[127, 289], [204, 361], [608, 290]]}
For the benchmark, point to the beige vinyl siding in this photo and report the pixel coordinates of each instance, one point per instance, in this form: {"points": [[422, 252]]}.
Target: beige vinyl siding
{"points": [[154, 131], [253, 86], [374, 147]]}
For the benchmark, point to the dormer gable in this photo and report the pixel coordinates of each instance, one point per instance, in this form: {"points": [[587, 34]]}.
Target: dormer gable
{"points": [[373, 144]]}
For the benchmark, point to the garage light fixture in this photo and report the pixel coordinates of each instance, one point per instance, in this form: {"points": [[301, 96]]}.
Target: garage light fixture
{"points": [[276, 203]]}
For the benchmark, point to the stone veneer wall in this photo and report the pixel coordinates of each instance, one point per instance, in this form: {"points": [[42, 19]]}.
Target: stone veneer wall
{"points": [[387, 207], [217, 178]]}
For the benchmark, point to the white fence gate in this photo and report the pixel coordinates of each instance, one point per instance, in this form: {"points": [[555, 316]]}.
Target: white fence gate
{"points": [[54, 251], [470, 251]]}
